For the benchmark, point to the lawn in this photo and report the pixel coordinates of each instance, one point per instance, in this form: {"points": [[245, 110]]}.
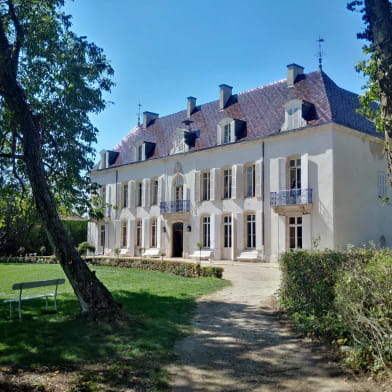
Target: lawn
{"points": [[97, 357]]}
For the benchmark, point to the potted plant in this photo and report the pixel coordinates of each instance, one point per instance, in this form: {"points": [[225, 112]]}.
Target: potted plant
{"points": [[199, 245], [162, 254]]}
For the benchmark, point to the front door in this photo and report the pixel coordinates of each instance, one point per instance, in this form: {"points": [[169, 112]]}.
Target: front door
{"points": [[178, 234]]}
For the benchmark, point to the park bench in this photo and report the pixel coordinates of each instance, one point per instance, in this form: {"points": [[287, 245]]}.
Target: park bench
{"points": [[201, 255], [249, 256], [151, 252], [30, 285]]}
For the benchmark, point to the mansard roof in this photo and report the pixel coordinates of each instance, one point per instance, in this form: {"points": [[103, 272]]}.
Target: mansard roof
{"points": [[262, 110]]}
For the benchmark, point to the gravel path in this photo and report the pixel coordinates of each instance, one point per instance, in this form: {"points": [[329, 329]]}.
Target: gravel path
{"points": [[238, 344]]}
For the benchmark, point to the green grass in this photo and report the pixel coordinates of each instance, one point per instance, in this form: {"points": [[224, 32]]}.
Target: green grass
{"points": [[160, 308]]}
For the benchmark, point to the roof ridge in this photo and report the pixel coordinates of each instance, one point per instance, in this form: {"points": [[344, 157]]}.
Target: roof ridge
{"points": [[261, 87]]}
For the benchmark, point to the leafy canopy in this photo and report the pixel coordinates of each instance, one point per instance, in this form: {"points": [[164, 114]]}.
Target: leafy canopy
{"points": [[63, 77]]}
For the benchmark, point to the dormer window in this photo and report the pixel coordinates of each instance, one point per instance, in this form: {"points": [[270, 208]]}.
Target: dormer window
{"points": [[230, 130], [296, 114], [183, 140], [107, 158], [144, 151]]}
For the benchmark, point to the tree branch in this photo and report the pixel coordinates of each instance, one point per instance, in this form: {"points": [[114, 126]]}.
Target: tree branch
{"points": [[18, 37]]}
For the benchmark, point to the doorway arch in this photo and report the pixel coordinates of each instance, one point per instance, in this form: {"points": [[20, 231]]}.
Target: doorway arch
{"points": [[178, 236]]}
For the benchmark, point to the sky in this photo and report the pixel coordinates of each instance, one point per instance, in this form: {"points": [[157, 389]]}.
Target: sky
{"points": [[164, 51]]}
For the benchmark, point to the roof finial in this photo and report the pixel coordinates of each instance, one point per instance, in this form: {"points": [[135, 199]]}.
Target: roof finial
{"points": [[138, 113], [320, 53]]}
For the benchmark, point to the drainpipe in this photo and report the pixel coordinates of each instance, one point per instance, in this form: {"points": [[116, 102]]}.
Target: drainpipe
{"points": [[263, 196]]}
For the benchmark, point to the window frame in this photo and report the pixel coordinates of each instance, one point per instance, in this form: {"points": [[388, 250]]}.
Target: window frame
{"points": [[124, 233], [295, 235], [138, 232], [294, 173], [125, 190], [154, 232], [250, 222], [154, 191], [227, 231], [205, 185], [139, 193], [227, 183], [206, 231], [250, 191]]}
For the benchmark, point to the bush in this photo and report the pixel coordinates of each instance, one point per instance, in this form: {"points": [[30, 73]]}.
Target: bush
{"points": [[83, 247], [189, 270], [345, 297]]}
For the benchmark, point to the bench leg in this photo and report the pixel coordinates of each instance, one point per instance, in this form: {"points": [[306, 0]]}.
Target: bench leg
{"points": [[20, 309], [10, 309]]}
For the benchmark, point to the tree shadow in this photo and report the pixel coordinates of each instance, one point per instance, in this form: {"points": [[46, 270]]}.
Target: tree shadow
{"points": [[237, 347], [48, 341]]}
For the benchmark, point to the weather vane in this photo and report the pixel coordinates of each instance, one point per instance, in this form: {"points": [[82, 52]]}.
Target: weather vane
{"points": [[320, 53], [138, 113]]}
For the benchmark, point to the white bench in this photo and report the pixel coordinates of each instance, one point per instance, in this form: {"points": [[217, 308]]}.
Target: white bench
{"points": [[31, 285], [151, 252], [124, 252], [201, 255], [249, 256]]}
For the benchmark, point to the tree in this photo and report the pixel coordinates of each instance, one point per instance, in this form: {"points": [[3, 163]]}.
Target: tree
{"points": [[377, 15], [50, 80]]}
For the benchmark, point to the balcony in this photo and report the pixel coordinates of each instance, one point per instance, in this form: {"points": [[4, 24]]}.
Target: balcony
{"points": [[293, 200], [175, 206]]}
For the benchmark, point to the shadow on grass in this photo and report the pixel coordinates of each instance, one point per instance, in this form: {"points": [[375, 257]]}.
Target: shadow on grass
{"points": [[62, 340]]}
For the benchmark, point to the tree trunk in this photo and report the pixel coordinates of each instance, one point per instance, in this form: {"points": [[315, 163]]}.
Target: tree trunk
{"points": [[95, 300], [379, 15]]}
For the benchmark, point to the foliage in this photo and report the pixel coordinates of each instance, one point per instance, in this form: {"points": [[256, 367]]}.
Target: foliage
{"points": [[345, 297], [363, 302], [189, 270], [130, 356], [83, 247]]}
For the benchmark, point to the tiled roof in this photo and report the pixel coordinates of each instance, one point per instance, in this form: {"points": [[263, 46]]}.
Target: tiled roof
{"points": [[261, 109]]}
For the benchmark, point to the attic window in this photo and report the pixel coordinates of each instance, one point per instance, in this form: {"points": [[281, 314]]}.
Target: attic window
{"points": [[183, 140], [230, 130], [144, 151], [296, 114]]}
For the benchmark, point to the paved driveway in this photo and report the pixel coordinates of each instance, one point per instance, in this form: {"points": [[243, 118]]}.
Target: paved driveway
{"points": [[239, 344]]}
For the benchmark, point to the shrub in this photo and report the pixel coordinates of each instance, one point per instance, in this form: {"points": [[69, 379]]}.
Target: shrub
{"points": [[345, 297], [83, 247]]}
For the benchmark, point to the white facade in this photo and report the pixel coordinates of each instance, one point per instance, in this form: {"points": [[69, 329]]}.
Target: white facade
{"points": [[248, 199]]}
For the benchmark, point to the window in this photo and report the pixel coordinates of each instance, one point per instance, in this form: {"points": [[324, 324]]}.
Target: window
{"points": [[139, 232], [179, 188], [154, 192], [124, 232], [296, 111], [139, 194], [227, 231], [251, 231], [250, 181], [227, 133], [102, 236], [153, 233], [205, 186], [125, 196], [295, 232], [295, 173], [206, 232], [381, 184], [227, 181]]}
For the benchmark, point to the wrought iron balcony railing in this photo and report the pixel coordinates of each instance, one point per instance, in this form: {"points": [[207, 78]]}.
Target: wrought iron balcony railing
{"points": [[291, 197], [175, 206]]}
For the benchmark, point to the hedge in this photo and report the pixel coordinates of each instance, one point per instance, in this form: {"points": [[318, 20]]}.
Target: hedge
{"points": [[344, 297], [189, 270]]}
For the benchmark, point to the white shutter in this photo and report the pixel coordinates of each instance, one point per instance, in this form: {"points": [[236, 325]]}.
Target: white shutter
{"points": [[258, 179], [196, 186], [282, 174], [304, 171], [132, 194], [146, 193], [215, 236], [131, 237], [215, 184], [161, 189], [237, 181], [218, 134], [146, 233]]}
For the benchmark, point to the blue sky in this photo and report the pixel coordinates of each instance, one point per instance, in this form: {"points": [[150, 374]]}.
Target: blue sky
{"points": [[163, 51]]}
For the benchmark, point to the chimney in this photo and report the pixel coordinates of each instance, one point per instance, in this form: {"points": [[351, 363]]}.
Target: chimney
{"points": [[224, 96], [190, 106], [148, 117], [293, 71]]}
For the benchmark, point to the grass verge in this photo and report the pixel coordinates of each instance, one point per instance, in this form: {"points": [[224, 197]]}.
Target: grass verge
{"points": [[96, 357]]}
